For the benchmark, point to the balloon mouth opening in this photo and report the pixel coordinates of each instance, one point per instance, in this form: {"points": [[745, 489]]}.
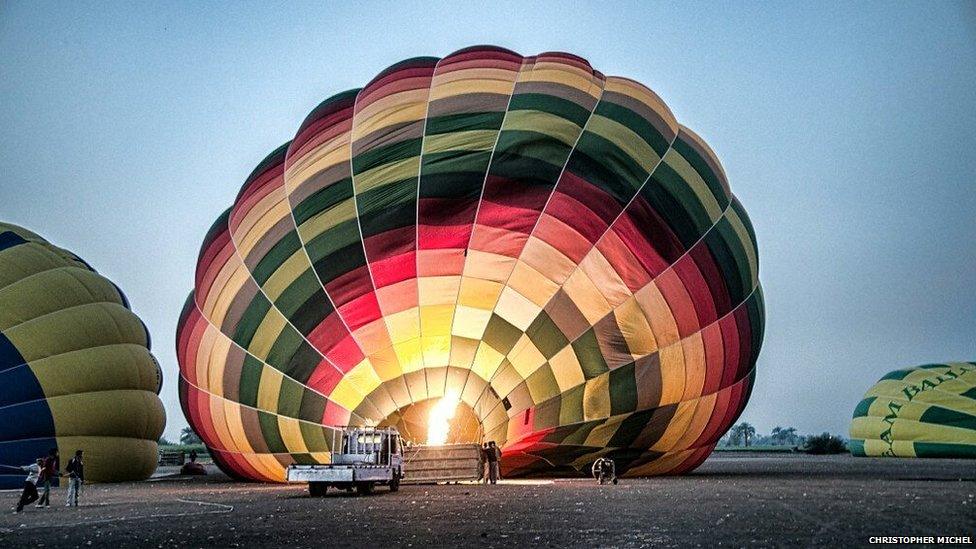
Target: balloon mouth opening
{"points": [[437, 421]]}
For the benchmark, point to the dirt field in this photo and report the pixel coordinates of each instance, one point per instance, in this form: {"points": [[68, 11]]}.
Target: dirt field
{"points": [[732, 500]]}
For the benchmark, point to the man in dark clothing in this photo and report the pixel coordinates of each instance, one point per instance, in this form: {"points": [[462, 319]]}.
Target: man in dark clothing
{"points": [[30, 484], [485, 471], [49, 472], [494, 457], [76, 477]]}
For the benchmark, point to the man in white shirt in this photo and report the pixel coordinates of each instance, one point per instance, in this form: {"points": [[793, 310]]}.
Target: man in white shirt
{"points": [[30, 484]]}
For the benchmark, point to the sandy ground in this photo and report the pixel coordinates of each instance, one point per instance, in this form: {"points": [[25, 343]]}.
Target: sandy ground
{"points": [[732, 500]]}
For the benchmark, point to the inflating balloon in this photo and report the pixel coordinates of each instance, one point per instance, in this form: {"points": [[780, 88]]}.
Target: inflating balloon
{"points": [[927, 411], [75, 367], [540, 241]]}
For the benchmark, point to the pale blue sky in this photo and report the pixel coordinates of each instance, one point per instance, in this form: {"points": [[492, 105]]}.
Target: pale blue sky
{"points": [[848, 131]]}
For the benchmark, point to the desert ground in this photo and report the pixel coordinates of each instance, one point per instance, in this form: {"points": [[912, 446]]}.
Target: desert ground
{"points": [[732, 500]]}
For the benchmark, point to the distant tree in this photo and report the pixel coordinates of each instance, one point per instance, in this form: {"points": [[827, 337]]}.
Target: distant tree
{"points": [[188, 436], [824, 443], [748, 432], [785, 436], [735, 436], [742, 434], [763, 440], [163, 441]]}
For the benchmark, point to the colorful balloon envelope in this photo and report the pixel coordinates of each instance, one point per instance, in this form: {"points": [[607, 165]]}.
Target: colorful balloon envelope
{"points": [[75, 368], [537, 241], [926, 411]]}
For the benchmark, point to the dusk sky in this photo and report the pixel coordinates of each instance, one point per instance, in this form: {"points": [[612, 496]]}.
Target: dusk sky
{"points": [[847, 130]]}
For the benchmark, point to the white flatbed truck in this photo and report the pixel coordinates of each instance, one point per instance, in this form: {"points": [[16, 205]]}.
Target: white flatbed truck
{"points": [[364, 457]]}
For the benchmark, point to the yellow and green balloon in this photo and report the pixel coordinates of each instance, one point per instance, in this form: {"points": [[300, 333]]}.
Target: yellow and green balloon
{"points": [[926, 411]]}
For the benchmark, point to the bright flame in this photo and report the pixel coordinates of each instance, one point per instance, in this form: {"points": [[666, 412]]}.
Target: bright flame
{"points": [[439, 422]]}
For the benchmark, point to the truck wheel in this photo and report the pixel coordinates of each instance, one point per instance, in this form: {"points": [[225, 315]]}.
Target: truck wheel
{"points": [[317, 489], [395, 484], [364, 488]]}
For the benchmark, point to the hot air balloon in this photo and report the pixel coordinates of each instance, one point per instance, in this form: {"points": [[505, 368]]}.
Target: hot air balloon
{"points": [[537, 243], [926, 411], [75, 367]]}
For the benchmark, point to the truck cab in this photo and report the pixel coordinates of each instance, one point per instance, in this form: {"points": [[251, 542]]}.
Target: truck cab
{"points": [[362, 458]]}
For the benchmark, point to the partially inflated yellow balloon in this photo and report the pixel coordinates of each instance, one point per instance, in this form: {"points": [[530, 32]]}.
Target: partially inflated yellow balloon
{"points": [[75, 368]]}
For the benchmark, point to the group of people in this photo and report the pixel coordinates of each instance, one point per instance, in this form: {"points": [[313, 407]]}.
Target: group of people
{"points": [[491, 457], [42, 474], [604, 470]]}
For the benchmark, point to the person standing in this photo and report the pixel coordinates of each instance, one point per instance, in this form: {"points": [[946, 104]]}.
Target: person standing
{"points": [[485, 468], [494, 457], [48, 473], [76, 477], [30, 484]]}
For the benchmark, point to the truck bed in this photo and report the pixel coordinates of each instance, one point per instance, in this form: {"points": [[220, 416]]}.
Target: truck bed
{"points": [[339, 473]]}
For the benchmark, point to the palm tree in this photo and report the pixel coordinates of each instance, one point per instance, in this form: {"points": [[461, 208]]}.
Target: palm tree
{"points": [[188, 436]]}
